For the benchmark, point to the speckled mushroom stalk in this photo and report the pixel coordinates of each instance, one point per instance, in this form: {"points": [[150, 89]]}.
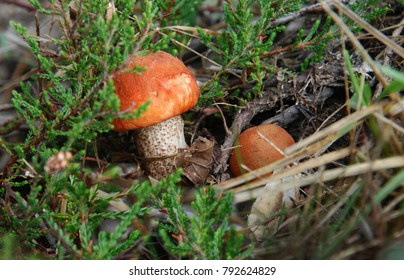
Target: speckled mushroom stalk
{"points": [[159, 146], [172, 90]]}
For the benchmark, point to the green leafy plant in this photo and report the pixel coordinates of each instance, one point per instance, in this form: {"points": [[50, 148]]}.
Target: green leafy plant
{"points": [[397, 83], [362, 92], [203, 232]]}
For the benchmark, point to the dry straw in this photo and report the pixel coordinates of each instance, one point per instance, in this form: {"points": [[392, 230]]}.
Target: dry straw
{"points": [[309, 154]]}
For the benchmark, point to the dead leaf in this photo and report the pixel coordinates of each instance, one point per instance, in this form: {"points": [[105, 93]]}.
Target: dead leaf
{"points": [[199, 161]]}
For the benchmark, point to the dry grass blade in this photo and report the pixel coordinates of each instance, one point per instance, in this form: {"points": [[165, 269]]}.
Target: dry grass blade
{"points": [[117, 204], [355, 250], [296, 169], [338, 128], [344, 28], [331, 212], [194, 30], [389, 122], [369, 28], [325, 176]]}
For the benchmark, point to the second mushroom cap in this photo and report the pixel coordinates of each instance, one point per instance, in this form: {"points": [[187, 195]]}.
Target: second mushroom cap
{"points": [[259, 146]]}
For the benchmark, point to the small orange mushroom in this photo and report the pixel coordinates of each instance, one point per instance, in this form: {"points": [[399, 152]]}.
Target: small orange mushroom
{"points": [[257, 147], [172, 90]]}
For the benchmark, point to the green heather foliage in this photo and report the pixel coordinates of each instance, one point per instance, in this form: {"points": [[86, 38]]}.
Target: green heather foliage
{"points": [[69, 102], [248, 40], [203, 231], [66, 106]]}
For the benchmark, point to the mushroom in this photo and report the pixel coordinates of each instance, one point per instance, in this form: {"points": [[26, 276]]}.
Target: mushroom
{"points": [[257, 147], [172, 90]]}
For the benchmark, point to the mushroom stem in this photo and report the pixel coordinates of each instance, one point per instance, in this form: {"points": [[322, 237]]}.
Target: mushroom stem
{"points": [[159, 146]]}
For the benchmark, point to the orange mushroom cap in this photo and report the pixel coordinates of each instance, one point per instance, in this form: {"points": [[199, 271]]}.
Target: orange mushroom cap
{"points": [[167, 82], [254, 151]]}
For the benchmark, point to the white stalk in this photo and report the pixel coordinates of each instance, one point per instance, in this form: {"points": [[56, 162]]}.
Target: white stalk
{"points": [[160, 145]]}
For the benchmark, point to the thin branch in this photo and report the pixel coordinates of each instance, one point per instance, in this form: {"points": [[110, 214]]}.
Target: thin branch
{"points": [[17, 3]]}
